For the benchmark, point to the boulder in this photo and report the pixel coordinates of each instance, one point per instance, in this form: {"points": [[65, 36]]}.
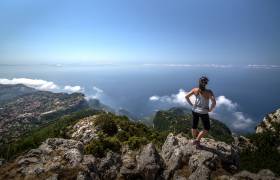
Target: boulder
{"points": [[149, 162], [264, 174], [178, 152], [84, 130], [53, 155]]}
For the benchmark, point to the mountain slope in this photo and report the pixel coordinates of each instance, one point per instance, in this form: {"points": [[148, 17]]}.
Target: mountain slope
{"points": [[269, 122], [266, 154], [179, 119], [106, 146], [30, 108], [9, 92], [101, 145]]}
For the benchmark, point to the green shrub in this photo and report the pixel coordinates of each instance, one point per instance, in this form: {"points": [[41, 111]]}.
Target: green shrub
{"points": [[266, 156], [34, 138], [106, 124], [99, 147], [135, 142], [95, 147], [122, 136]]}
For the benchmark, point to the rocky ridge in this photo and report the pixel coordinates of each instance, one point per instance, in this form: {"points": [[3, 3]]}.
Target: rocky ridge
{"points": [[267, 123], [58, 158]]}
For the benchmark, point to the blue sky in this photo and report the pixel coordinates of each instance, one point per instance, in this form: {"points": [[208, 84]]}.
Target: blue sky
{"points": [[140, 31]]}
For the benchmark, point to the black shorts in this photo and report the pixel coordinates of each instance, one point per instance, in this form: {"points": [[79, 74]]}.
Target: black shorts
{"points": [[204, 118]]}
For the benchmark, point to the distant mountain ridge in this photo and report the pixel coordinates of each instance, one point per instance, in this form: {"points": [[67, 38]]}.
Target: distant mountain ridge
{"points": [[8, 92], [24, 108]]}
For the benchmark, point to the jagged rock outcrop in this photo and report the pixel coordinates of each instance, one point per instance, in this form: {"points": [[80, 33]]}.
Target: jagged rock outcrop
{"points": [[179, 154], [178, 158], [54, 155], [264, 174], [144, 164], [84, 130], [58, 158], [242, 144], [267, 123]]}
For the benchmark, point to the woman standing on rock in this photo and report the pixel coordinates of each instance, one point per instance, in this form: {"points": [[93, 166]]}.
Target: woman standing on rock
{"points": [[200, 108]]}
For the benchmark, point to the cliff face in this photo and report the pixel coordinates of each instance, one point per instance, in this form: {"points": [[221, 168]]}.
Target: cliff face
{"points": [[31, 108], [268, 121]]}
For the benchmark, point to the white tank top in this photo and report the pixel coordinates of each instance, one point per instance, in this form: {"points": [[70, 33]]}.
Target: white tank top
{"points": [[201, 104]]}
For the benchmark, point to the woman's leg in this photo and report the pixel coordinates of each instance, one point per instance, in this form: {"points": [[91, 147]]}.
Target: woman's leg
{"points": [[206, 126], [195, 124]]}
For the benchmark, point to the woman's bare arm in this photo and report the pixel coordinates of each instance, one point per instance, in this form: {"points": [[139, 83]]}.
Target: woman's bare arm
{"points": [[188, 95], [213, 101]]}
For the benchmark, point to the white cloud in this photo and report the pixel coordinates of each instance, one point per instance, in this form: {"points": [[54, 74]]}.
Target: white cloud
{"points": [[42, 85], [177, 99], [98, 93], [73, 89], [193, 65], [226, 110], [98, 90], [34, 83], [241, 122], [223, 101], [154, 98], [263, 66], [253, 66]]}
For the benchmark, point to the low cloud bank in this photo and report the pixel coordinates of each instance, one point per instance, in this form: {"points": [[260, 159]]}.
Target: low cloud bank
{"points": [[226, 110], [73, 89], [97, 93], [193, 65], [34, 83], [251, 66], [263, 66], [51, 86]]}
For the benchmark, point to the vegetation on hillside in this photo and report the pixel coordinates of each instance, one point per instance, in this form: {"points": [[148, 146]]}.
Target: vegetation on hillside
{"points": [[266, 156], [34, 138], [116, 131]]}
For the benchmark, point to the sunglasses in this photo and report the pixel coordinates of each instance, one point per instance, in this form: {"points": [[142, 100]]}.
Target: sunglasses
{"points": [[204, 82]]}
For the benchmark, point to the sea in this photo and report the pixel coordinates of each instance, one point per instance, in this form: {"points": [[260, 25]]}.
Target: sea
{"points": [[251, 91]]}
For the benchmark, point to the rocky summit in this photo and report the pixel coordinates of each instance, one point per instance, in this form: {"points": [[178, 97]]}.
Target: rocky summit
{"points": [[102, 146], [178, 159], [268, 122]]}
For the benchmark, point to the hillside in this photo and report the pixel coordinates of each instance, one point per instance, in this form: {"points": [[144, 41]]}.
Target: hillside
{"points": [[63, 136], [28, 108], [179, 119], [106, 146], [94, 144], [9, 92], [266, 143]]}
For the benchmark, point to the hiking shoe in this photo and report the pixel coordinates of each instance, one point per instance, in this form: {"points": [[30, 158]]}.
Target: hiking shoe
{"points": [[194, 142], [198, 145]]}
